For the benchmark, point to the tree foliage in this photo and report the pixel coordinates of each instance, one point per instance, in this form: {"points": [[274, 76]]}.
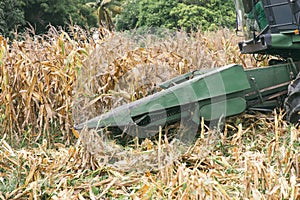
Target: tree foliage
{"points": [[171, 14], [187, 14], [11, 17], [19, 14], [40, 13]]}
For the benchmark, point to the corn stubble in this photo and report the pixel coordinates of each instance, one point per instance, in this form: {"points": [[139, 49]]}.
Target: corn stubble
{"points": [[50, 82]]}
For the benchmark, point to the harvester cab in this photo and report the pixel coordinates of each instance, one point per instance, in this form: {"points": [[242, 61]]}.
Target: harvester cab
{"points": [[271, 27]]}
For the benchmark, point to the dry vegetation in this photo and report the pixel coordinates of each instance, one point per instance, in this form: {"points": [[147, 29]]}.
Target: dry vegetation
{"points": [[50, 82]]}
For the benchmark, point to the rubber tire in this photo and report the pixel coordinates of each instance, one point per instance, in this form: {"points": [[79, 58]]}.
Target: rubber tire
{"points": [[292, 101]]}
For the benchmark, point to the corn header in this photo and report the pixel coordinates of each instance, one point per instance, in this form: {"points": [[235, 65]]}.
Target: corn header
{"points": [[270, 27]]}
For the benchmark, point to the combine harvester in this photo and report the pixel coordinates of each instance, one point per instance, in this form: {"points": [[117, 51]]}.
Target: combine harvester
{"points": [[270, 27]]}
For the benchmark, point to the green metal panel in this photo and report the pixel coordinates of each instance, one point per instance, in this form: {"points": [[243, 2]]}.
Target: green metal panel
{"points": [[222, 92], [209, 85], [269, 82], [182, 78], [207, 88], [286, 44], [231, 106], [286, 41]]}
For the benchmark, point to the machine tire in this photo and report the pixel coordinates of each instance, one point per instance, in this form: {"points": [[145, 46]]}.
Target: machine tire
{"points": [[292, 101]]}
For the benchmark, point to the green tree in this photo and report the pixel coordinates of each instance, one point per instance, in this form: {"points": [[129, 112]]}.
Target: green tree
{"points": [[211, 15], [128, 19], [176, 14], [156, 13], [11, 17], [41, 13], [192, 16], [146, 13]]}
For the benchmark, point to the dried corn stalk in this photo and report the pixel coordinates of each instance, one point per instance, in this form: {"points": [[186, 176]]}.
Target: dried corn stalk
{"points": [[37, 77]]}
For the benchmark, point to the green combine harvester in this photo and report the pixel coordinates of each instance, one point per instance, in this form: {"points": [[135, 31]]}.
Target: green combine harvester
{"points": [[270, 27]]}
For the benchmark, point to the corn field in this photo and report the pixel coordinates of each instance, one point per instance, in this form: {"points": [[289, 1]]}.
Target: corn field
{"points": [[51, 82]]}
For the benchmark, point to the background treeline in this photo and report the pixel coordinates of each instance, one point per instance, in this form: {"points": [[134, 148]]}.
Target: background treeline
{"points": [[17, 15]]}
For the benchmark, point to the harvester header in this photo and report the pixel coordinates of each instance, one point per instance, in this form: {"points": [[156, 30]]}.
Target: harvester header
{"points": [[270, 27]]}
